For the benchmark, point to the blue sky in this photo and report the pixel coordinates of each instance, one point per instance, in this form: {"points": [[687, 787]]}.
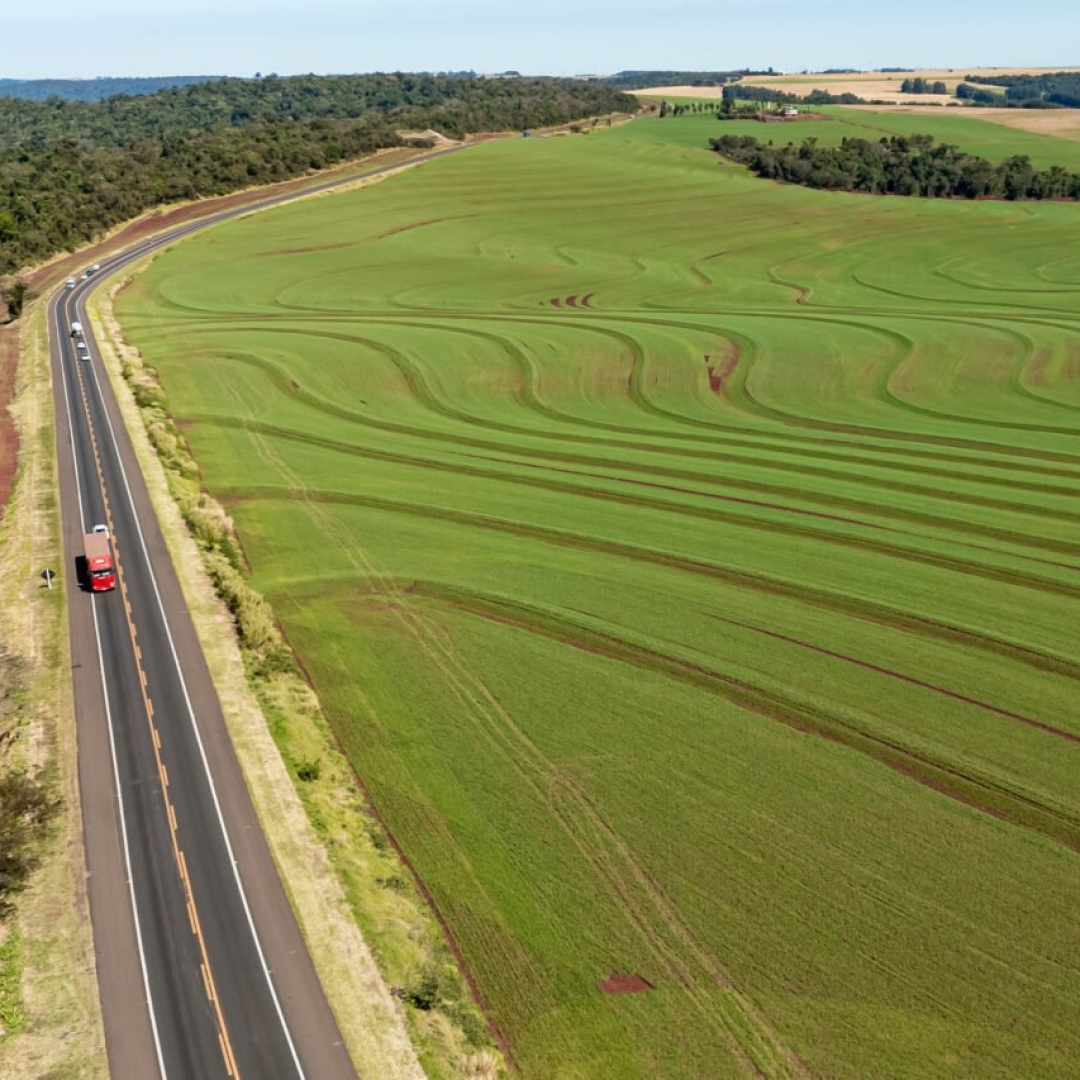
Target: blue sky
{"points": [[559, 37]]}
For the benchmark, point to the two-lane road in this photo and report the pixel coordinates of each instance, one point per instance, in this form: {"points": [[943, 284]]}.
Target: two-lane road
{"points": [[211, 997], [202, 969]]}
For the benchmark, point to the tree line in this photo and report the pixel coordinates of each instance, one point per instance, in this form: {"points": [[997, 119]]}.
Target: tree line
{"points": [[72, 170], [899, 165]]}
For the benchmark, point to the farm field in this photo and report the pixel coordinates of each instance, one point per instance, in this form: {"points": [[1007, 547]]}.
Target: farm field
{"points": [[689, 567], [974, 131]]}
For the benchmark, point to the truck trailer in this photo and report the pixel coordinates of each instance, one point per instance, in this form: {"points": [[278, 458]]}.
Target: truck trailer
{"points": [[100, 572]]}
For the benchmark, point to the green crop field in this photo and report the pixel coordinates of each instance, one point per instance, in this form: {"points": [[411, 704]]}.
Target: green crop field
{"points": [[689, 567], [829, 124]]}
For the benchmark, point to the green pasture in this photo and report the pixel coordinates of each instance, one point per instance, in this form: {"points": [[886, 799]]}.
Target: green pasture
{"points": [[830, 124], [689, 567]]}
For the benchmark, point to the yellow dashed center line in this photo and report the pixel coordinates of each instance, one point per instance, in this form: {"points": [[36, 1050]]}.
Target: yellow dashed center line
{"points": [[178, 854]]}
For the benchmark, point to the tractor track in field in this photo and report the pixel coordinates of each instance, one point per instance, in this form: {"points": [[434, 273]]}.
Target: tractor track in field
{"points": [[967, 568], [857, 608], [981, 793], [741, 1026]]}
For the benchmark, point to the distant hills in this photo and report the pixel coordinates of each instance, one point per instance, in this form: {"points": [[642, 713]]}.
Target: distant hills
{"points": [[94, 89]]}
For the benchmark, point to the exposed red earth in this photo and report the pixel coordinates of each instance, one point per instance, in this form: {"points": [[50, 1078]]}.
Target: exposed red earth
{"points": [[617, 983], [9, 439]]}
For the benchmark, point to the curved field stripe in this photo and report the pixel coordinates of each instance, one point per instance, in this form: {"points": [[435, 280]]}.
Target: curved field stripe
{"points": [[833, 601], [771, 527], [873, 508]]}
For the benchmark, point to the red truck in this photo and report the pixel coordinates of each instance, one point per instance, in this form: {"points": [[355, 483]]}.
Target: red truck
{"points": [[100, 573]]}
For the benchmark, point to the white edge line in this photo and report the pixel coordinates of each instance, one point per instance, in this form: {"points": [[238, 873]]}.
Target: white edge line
{"points": [[199, 741], [108, 716]]}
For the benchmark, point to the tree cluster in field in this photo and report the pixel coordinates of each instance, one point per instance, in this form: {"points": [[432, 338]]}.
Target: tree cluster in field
{"points": [[919, 85], [71, 170], [1059, 88], [686, 108], [899, 165]]}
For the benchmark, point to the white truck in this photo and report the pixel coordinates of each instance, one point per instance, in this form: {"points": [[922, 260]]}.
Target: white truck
{"points": [[76, 330]]}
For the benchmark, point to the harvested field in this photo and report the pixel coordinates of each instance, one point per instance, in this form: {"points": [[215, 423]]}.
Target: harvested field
{"points": [[689, 565], [1061, 123]]}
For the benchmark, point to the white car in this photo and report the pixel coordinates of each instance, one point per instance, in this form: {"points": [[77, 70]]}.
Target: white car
{"points": [[70, 283], [82, 350], [100, 529]]}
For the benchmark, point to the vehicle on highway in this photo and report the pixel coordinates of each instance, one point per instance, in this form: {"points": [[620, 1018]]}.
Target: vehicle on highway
{"points": [[70, 283], [100, 573], [82, 351], [76, 330]]}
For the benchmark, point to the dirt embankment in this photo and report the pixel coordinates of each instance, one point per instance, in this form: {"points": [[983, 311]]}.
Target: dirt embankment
{"points": [[9, 439]]}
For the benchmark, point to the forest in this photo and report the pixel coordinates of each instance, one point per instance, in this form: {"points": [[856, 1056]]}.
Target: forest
{"points": [[94, 89], [71, 170], [1060, 88], [640, 80], [898, 165]]}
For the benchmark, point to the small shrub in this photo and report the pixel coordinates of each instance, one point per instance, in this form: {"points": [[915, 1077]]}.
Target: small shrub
{"points": [[26, 808], [309, 770], [424, 990]]}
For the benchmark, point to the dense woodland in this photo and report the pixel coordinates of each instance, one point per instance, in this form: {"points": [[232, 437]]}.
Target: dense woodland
{"points": [[71, 170], [639, 80], [1060, 88], [94, 89], [766, 95], [899, 165]]}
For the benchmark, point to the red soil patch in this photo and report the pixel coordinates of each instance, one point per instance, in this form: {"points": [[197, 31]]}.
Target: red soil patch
{"points": [[616, 983], [719, 370], [9, 439], [574, 301]]}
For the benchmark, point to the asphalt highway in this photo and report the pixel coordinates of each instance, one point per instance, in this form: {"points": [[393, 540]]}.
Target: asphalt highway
{"points": [[202, 969]]}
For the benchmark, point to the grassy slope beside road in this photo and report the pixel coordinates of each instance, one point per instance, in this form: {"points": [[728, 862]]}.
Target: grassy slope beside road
{"points": [[688, 565]]}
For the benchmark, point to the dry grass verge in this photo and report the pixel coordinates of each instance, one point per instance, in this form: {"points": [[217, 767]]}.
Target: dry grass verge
{"points": [[49, 1007], [357, 904]]}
